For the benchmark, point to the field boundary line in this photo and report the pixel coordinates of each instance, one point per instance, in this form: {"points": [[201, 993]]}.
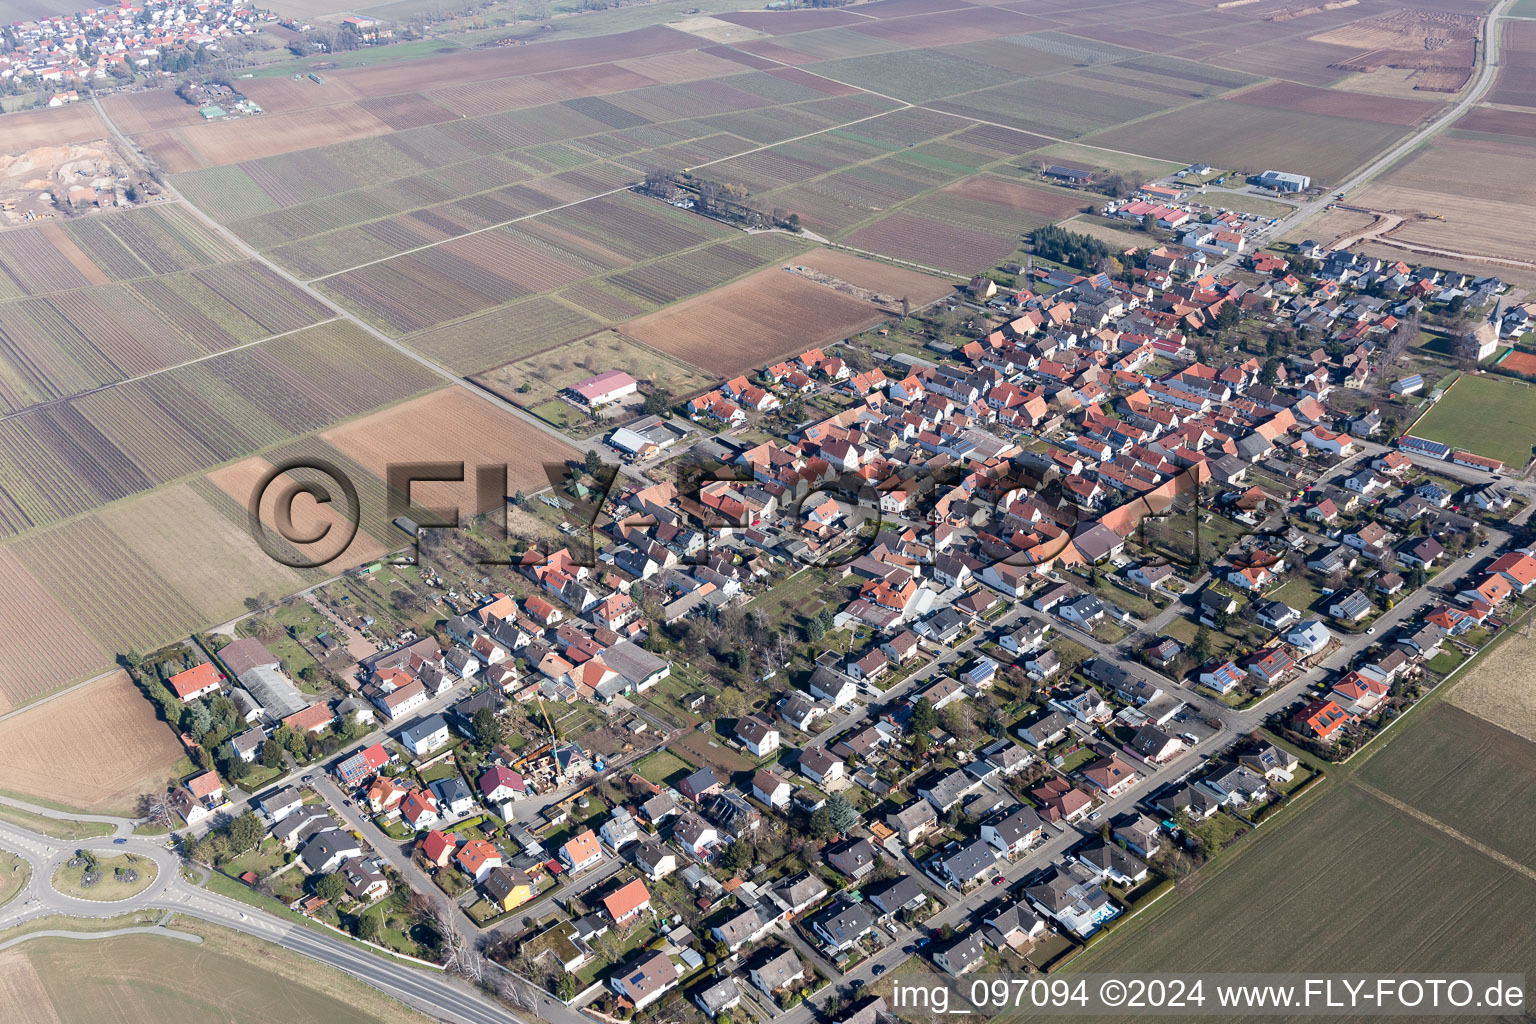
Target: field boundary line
{"points": [[167, 369], [1440, 826], [613, 191]]}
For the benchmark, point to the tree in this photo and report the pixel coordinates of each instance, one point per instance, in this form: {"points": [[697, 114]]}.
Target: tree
{"points": [[736, 857], [815, 632], [245, 832], [488, 731], [332, 888], [820, 824], [841, 813], [367, 927], [657, 402], [271, 754], [565, 986], [155, 809], [924, 718], [593, 462], [1200, 647]]}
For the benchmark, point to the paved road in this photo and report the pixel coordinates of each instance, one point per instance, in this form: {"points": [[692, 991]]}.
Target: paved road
{"points": [[1306, 211], [429, 991]]}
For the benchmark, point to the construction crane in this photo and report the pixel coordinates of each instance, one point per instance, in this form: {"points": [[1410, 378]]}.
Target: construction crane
{"points": [[553, 739]]}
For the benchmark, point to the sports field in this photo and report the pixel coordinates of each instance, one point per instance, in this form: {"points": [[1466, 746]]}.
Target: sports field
{"points": [[1490, 416]]}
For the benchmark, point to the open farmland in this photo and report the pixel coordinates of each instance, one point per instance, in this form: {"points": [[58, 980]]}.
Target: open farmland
{"points": [[935, 244], [1516, 81], [1499, 690], [1466, 772], [1382, 874], [1338, 103], [508, 332], [451, 425], [35, 621], [209, 561], [29, 129], [1227, 134], [1492, 416], [754, 321], [226, 979], [238, 482], [125, 439], [1498, 170], [95, 748]]}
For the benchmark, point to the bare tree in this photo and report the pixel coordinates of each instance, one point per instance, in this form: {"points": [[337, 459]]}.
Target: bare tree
{"points": [[155, 808], [459, 954]]}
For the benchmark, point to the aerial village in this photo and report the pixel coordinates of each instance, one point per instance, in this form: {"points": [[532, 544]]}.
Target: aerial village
{"points": [[963, 639]]}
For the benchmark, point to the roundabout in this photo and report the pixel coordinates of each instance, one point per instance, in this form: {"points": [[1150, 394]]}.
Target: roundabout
{"points": [[104, 878]]}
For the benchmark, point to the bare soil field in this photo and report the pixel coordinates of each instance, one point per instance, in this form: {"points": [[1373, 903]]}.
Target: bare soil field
{"points": [[754, 320], [1338, 103], [1473, 227], [451, 425], [96, 748], [933, 243], [239, 481], [252, 138], [29, 129], [1474, 168], [1296, 59], [151, 111], [1498, 689], [1226, 134], [1330, 225], [1516, 81], [1498, 122], [36, 622], [1044, 202], [1421, 39], [881, 277], [23, 1000]]}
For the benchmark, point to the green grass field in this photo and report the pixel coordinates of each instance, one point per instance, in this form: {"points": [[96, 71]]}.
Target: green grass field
{"points": [[110, 888], [661, 767], [1490, 416]]}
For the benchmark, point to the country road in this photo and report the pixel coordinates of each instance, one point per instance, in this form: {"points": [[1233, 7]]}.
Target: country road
{"points": [[1304, 213], [430, 991]]}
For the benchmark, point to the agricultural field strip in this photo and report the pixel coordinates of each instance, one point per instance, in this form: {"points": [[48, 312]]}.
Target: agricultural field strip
{"points": [[709, 243], [341, 312], [1404, 807], [1139, 55], [970, 121], [604, 195], [165, 369]]}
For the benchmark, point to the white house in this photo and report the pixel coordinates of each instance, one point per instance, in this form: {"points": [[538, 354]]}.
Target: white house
{"points": [[425, 736]]}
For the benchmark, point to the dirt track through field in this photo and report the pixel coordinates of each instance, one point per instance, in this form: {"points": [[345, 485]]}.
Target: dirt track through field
{"points": [[1440, 826]]}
